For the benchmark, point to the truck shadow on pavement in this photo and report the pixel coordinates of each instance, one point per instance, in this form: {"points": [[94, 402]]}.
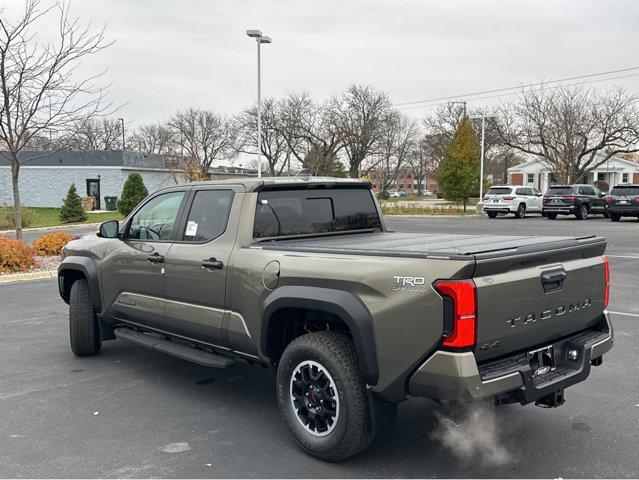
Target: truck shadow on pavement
{"points": [[231, 415]]}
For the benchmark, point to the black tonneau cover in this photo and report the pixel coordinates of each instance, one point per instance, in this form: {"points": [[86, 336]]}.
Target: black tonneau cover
{"points": [[435, 245]]}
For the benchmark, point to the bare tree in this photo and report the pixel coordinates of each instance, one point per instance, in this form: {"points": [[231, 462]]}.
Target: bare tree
{"points": [[274, 147], [442, 124], [396, 144], [571, 129], [311, 134], [95, 134], [205, 136], [424, 158], [359, 114], [154, 138], [39, 90], [502, 160]]}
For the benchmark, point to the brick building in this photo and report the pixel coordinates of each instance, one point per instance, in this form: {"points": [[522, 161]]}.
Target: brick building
{"points": [[406, 182]]}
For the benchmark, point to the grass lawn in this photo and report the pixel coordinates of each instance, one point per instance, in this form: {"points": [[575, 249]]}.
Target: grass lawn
{"points": [[49, 217]]}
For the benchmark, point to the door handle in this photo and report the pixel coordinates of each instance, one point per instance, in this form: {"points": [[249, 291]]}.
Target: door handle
{"points": [[155, 258], [212, 263]]}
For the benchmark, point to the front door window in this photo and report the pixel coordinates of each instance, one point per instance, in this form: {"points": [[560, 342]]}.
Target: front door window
{"points": [[155, 220]]}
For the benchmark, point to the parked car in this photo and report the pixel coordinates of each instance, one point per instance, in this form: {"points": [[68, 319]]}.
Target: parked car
{"points": [[512, 199], [397, 194], [577, 200], [623, 201]]}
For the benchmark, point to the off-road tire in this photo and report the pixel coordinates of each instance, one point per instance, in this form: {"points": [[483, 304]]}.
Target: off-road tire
{"points": [[335, 352], [615, 217], [521, 211], [491, 214], [582, 214], [84, 331], [551, 215]]}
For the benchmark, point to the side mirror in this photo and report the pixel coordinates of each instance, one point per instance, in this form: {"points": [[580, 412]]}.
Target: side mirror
{"points": [[109, 229], [601, 194], [539, 194]]}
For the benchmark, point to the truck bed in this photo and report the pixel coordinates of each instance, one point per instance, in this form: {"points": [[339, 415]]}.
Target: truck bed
{"points": [[429, 245]]}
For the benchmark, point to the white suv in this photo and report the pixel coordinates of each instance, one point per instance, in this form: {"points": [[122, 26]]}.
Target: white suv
{"points": [[507, 199]]}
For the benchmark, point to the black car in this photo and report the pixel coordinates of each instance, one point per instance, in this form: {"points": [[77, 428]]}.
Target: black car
{"points": [[577, 200], [623, 201]]}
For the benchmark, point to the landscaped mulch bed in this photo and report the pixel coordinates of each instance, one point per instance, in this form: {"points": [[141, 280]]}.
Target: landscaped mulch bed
{"points": [[44, 263]]}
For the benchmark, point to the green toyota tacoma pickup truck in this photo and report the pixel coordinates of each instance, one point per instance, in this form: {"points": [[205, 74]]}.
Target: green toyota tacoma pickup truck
{"points": [[302, 275]]}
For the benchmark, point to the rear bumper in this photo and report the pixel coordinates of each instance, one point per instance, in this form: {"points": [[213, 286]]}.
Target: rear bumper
{"points": [[500, 208], [457, 376], [568, 210], [623, 211]]}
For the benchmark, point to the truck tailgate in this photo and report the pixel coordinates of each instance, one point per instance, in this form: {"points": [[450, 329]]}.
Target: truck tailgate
{"points": [[526, 300]]}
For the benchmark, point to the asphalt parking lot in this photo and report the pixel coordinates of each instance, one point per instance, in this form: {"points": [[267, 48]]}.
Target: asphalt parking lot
{"points": [[130, 412]]}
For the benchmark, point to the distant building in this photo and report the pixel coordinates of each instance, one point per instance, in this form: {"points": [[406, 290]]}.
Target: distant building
{"points": [[405, 181], [534, 173], [45, 176]]}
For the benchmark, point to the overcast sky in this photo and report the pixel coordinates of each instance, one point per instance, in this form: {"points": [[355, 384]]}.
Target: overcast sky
{"points": [[174, 54]]}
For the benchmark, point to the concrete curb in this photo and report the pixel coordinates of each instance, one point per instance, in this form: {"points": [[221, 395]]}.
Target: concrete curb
{"points": [[21, 277], [433, 216], [53, 227]]}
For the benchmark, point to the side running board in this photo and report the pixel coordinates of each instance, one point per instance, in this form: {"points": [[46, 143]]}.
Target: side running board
{"points": [[180, 351]]}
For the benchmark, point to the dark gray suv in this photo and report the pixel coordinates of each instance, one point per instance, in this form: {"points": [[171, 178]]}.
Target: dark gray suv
{"points": [[577, 200]]}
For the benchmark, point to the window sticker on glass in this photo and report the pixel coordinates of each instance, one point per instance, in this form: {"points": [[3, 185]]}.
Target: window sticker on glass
{"points": [[191, 229]]}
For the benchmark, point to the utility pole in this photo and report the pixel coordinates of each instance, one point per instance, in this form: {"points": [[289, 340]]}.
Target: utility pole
{"points": [[122, 124], [462, 102]]}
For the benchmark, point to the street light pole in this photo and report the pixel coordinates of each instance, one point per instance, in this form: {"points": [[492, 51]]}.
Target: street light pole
{"points": [[481, 155], [260, 39], [481, 159]]}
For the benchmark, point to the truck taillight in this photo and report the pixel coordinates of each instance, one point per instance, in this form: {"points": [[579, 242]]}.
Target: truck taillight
{"points": [[461, 294], [607, 281]]}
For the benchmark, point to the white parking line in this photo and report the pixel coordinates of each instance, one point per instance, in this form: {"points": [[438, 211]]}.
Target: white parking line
{"points": [[625, 314], [623, 256]]}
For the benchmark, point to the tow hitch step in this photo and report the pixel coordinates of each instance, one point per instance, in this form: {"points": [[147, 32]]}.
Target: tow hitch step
{"points": [[180, 351], [552, 400]]}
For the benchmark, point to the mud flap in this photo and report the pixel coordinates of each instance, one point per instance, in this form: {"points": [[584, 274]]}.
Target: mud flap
{"points": [[382, 414]]}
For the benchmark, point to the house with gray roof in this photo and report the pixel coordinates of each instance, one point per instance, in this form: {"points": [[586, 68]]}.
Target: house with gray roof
{"points": [[45, 176]]}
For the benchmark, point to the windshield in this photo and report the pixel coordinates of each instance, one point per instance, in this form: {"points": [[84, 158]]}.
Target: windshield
{"points": [[499, 191], [282, 213], [625, 191], [559, 191]]}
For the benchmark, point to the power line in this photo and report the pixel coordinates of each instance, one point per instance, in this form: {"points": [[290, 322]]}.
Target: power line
{"points": [[517, 87], [508, 94]]}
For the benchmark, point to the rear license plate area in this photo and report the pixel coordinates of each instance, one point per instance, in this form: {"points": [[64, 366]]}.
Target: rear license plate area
{"points": [[541, 361]]}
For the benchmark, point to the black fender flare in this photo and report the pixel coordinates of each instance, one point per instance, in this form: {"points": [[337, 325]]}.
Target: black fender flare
{"points": [[87, 268], [338, 302]]}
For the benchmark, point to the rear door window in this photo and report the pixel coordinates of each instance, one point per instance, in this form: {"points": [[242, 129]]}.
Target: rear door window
{"points": [[523, 191], [499, 191], [559, 191], [208, 215], [625, 191]]}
